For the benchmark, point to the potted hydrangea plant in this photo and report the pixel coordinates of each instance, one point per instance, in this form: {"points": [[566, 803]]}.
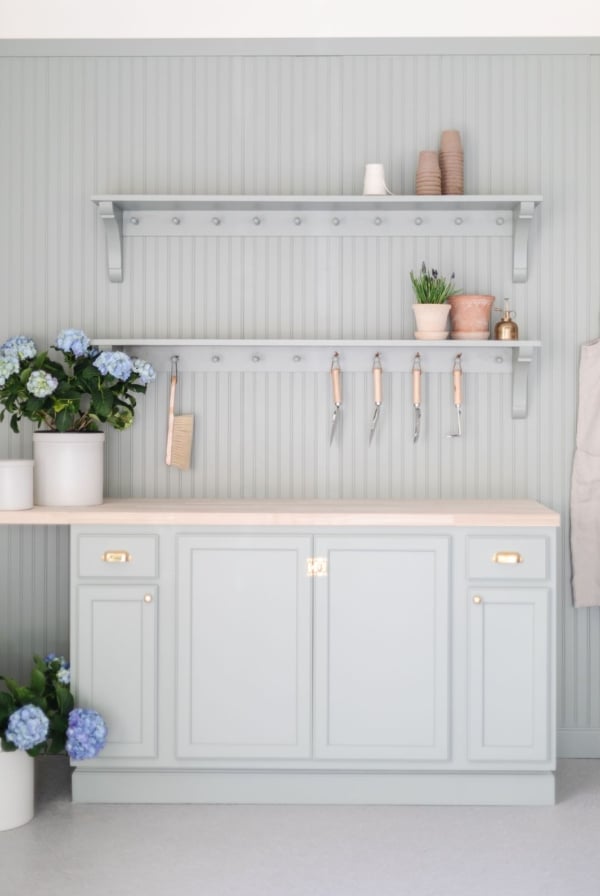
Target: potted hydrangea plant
{"points": [[37, 718], [71, 398], [431, 310]]}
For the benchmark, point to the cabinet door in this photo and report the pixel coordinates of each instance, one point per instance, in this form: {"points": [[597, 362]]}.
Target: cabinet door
{"points": [[508, 678], [381, 648], [244, 610], [116, 664]]}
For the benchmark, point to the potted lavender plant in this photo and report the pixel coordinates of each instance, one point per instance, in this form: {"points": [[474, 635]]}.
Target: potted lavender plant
{"points": [[40, 718], [431, 309]]}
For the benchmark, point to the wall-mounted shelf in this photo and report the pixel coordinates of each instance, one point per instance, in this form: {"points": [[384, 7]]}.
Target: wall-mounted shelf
{"points": [[174, 215], [310, 356]]}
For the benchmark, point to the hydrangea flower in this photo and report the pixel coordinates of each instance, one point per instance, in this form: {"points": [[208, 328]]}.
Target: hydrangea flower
{"points": [[9, 364], [20, 346], [27, 727], [41, 384], [73, 341], [144, 370], [63, 673], [117, 364], [86, 734]]}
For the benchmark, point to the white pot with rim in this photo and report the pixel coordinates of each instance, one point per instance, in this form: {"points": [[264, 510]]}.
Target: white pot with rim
{"points": [[17, 778], [431, 320], [68, 468]]}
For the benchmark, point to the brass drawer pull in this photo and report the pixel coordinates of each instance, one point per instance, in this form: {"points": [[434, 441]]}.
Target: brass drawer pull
{"points": [[507, 557], [477, 598], [117, 557]]}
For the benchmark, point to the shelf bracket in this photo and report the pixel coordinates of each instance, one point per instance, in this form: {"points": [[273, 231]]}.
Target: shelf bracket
{"points": [[112, 217], [522, 358], [522, 218]]}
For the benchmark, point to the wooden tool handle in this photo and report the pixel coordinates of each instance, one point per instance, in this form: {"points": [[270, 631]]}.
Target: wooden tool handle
{"points": [[336, 381], [377, 390], [457, 383], [416, 382]]}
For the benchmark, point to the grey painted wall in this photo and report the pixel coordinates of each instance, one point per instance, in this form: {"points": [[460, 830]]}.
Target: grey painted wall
{"points": [[73, 126]]}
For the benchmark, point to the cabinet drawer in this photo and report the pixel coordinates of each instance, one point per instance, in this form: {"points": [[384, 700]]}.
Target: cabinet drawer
{"points": [[504, 557], [117, 556]]}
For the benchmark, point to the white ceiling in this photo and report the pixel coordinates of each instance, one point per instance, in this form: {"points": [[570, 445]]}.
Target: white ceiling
{"points": [[296, 18]]}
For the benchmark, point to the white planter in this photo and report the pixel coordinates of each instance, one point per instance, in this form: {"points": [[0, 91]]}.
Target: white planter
{"points": [[16, 789], [69, 468], [16, 484], [431, 320]]}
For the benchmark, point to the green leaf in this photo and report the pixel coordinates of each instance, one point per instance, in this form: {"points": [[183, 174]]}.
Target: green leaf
{"points": [[38, 682], [8, 746], [64, 699]]}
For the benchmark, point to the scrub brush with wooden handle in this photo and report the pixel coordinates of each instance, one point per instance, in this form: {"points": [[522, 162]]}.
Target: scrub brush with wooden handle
{"points": [[180, 428]]}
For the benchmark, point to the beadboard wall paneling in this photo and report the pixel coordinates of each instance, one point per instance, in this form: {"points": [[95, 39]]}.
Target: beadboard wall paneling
{"points": [[75, 125]]}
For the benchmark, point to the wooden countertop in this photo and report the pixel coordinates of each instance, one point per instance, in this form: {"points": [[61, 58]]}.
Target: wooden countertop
{"points": [[198, 512]]}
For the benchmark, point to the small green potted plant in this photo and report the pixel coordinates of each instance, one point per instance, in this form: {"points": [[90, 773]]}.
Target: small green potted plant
{"points": [[38, 718], [432, 292]]}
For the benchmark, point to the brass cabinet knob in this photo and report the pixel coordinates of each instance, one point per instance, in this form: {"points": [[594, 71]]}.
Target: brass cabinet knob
{"points": [[148, 598], [477, 598]]}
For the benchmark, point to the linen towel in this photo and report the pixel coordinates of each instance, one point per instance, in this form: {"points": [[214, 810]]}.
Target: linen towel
{"points": [[585, 483]]}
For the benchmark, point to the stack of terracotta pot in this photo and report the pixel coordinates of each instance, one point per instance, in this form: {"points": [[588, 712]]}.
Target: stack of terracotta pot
{"points": [[452, 163], [429, 176]]}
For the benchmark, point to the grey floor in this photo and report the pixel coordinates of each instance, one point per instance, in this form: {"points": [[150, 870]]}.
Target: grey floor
{"points": [[78, 850]]}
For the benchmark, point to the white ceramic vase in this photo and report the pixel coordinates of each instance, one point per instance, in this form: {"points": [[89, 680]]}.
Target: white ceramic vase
{"points": [[16, 484], [68, 468], [431, 320], [17, 776]]}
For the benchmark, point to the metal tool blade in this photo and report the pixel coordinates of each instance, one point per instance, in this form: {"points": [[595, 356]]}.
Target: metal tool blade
{"points": [[374, 423], [417, 422], [333, 426]]}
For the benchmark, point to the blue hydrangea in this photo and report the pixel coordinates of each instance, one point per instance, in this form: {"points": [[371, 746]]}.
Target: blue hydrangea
{"points": [[9, 364], [117, 364], [73, 341], [20, 346], [63, 673], [144, 370], [41, 384], [27, 727], [86, 734]]}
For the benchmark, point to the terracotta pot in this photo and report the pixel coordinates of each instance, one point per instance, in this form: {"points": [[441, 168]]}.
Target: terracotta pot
{"points": [[470, 316], [431, 320]]}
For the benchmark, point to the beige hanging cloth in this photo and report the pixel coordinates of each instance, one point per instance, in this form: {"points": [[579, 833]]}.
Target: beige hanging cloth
{"points": [[585, 483]]}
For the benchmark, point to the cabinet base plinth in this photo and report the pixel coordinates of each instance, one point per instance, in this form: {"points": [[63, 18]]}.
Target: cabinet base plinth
{"points": [[356, 788]]}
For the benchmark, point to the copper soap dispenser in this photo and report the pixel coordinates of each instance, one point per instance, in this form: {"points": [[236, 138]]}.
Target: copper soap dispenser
{"points": [[506, 328]]}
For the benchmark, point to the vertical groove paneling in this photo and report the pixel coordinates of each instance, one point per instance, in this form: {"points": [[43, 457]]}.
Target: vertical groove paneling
{"points": [[77, 126]]}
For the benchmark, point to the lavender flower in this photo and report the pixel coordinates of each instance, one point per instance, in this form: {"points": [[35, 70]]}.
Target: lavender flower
{"points": [[73, 341], [144, 370], [117, 364], [41, 384], [27, 727], [86, 734], [21, 347], [9, 364]]}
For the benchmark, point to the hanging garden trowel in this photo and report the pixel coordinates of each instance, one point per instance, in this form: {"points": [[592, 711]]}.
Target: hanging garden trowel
{"points": [[416, 384], [336, 385], [377, 393]]}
